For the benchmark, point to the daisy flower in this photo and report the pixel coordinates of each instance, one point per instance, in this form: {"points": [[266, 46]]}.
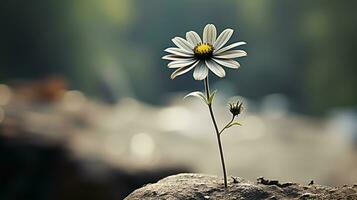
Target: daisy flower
{"points": [[204, 54]]}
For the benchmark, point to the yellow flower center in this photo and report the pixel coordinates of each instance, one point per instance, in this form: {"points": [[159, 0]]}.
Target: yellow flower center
{"points": [[203, 48], [203, 51]]}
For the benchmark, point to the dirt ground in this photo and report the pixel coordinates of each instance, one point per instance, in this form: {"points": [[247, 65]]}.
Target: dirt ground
{"points": [[199, 186]]}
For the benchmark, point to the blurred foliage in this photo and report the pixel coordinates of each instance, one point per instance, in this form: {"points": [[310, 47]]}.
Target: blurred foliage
{"points": [[112, 48], [330, 31]]}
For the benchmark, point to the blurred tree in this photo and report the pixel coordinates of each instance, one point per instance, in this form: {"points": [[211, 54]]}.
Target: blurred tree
{"points": [[329, 30], [112, 48]]}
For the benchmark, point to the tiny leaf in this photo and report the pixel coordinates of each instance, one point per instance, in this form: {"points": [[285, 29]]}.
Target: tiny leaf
{"points": [[197, 94], [234, 124], [211, 96]]}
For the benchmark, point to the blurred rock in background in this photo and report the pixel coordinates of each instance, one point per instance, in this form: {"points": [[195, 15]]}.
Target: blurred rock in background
{"points": [[43, 155], [76, 147]]}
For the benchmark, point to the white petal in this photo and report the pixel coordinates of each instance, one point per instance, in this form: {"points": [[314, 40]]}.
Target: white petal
{"points": [[178, 52], [223, 38], [183, 70], [201, 71], [227, 63], [215, 68], [183, 44], [173, 57], [193, 38], [205, 33], [209, 34], [181, 63], [231, 54], [231, 46]]}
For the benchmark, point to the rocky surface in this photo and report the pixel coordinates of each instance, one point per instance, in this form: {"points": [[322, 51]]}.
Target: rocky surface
{"points": [[199, 186]]}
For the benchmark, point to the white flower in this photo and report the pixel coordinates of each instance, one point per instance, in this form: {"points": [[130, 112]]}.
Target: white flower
{"points": [[193, 53]]}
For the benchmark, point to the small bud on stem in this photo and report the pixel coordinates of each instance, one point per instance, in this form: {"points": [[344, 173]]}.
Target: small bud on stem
{"points": [[236, 108]]}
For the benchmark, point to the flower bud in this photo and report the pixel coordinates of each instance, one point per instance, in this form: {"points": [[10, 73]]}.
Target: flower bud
{"points": [[236, 108]]}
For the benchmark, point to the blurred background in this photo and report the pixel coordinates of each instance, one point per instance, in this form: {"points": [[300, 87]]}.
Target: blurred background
{"points": [[88, 111]]}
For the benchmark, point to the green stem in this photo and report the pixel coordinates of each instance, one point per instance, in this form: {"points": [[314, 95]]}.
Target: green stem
{"points": [[226, 126], [217, 131]]}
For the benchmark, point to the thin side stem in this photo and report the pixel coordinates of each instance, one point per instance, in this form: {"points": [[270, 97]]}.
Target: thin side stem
{"points": [[226, 126], [217, 132]]}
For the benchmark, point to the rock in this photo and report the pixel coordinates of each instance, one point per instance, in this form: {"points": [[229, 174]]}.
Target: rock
{"points": [[200, 186]]}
